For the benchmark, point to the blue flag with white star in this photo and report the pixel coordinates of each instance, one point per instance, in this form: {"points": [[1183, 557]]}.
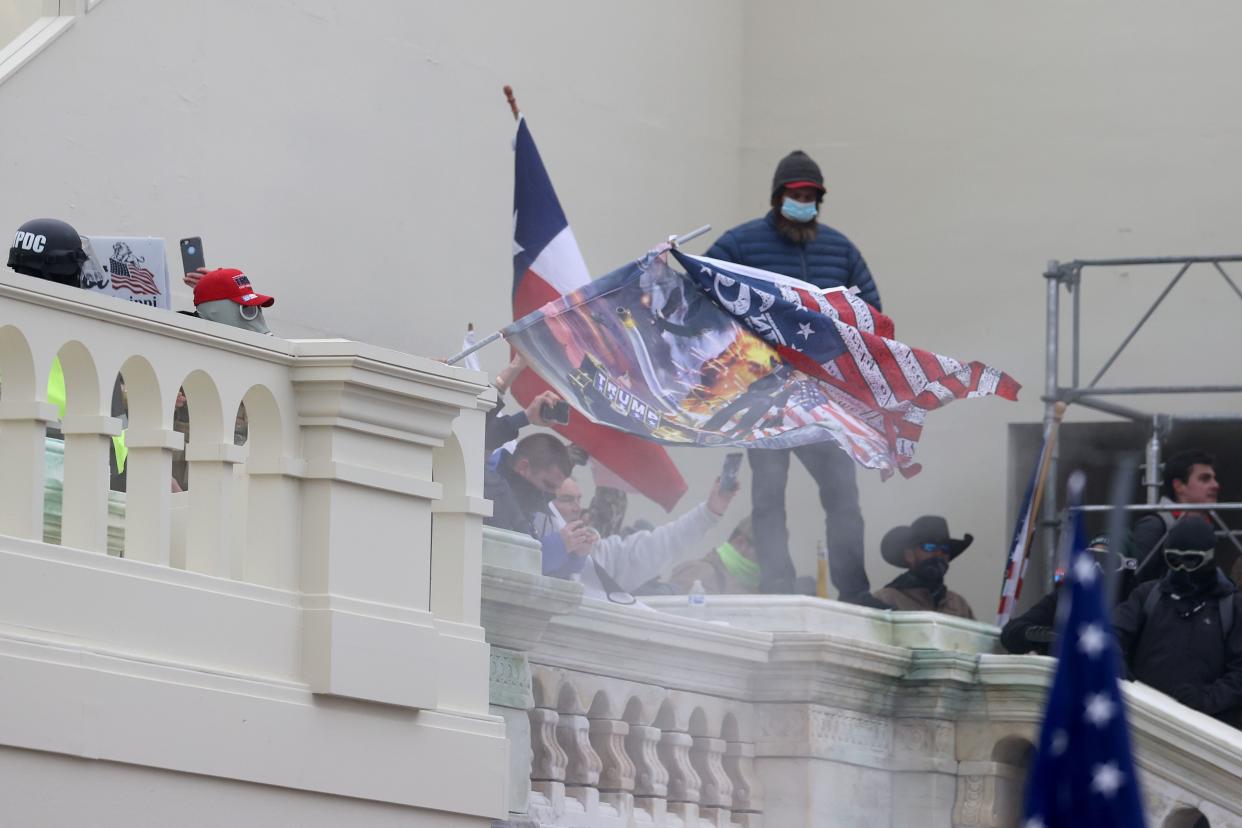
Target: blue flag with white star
{"points": [[1083, 772]]}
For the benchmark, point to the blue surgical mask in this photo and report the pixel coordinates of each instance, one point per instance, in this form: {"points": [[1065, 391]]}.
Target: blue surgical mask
{"points": [[799, 210]]}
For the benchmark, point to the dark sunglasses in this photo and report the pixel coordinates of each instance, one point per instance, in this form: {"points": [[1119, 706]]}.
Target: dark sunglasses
{"points": [[936, 547]]}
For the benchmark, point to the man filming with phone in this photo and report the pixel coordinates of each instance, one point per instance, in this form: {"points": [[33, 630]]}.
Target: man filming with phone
{"points": [[612, 567]]}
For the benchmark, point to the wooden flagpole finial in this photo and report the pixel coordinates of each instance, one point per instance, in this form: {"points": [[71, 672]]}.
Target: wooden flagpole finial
{"points": [[513, 107]]}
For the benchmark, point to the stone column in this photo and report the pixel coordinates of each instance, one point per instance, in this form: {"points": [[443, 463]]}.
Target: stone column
{"points": [[716, 791], [457, 520], [582, 770], [84, 509], [23, 428], [369, 427], [209, 532], [650, 776], [148, 497], [739, 764], [616, 778], [684, 784], [547, 770]]}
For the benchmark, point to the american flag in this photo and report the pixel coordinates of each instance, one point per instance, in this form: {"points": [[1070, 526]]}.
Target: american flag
{"points": [[1083, 772], [1024, 531], [133, 276], [879, 390]]}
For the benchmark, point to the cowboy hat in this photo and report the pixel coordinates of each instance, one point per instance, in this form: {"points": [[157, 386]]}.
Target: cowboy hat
{"points": [[927, 529]]}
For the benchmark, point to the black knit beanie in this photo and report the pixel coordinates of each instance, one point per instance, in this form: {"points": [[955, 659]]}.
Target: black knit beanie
{"points": [[797, 166]]}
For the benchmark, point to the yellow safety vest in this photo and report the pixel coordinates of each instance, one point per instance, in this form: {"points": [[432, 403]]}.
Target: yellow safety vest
{"points": [[56, 396]]}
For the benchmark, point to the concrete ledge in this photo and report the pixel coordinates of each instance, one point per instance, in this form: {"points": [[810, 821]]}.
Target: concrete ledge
{"points": [[69, 700], [375, 659]]}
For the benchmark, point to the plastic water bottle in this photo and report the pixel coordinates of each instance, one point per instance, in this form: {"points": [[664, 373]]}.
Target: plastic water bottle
{"points": [[697, 597], [821, 570]]}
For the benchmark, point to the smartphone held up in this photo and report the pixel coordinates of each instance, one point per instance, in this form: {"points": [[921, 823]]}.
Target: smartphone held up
{"points": [[728, 474]]}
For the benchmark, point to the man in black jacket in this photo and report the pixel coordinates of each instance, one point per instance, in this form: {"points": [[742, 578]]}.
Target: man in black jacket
{"points": [[1181, 634], [520, 485], [1034, 630]]}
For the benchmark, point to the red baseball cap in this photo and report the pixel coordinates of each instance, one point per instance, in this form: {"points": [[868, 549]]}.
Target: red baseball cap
{"points": [[229, 283], [814, 185]]}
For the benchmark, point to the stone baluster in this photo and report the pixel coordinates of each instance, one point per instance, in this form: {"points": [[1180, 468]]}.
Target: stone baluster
{"points": [[716, 791], [547, 769], [148, 501], [23, 427], [584, 765], [616, 778], [209, 534], [650, 775], [84, 510], [684, 784], [739, 764]]}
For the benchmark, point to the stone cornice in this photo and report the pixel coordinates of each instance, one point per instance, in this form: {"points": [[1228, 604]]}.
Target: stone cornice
{"points": [[646, 646]]}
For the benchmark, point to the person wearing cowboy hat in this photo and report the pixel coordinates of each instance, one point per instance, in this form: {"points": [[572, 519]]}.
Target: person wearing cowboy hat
{"points": [[924, 549]]}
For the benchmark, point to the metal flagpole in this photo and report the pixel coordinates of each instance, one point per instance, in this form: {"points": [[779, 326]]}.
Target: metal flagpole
{"points": [[492, 337]]}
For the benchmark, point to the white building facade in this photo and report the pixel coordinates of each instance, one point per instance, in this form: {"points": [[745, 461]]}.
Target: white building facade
{"points": [[318, 632]]}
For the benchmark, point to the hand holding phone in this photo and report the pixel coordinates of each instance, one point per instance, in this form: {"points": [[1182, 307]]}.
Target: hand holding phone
{"points": [[557, 412], [192, 254], [728, 474]]}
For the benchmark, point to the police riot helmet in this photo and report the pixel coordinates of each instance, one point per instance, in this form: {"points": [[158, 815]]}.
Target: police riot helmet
{"points": [[48, 249]]}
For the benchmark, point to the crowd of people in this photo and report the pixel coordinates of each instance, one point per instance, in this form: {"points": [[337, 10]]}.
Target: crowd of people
{"points": [[534, 490], [1176, 614], [1174, 607], [52, 250]]}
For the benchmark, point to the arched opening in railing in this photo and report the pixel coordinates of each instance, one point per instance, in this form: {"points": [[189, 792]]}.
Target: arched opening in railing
{"points": [[266, 496], [1012, 755], [602, 706], [1014, 750], [202, 515], [698, 723], [568, 702], [1186, 818], [78, 509], [147, 462]]}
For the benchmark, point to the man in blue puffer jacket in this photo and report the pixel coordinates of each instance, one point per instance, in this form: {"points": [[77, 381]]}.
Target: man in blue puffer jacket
{"points": [[789, 241]]}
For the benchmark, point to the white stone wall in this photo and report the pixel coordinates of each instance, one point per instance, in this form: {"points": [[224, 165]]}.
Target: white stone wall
{"points": [[309, 630]]}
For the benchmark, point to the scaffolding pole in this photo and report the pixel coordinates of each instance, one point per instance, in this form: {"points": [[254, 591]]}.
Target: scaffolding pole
{"points": [[1070, 275]]}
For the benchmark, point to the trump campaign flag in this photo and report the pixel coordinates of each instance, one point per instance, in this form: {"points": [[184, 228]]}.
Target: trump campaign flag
{"points": [[546, 265], [1083, 771], [848, 348], [648, 350]]}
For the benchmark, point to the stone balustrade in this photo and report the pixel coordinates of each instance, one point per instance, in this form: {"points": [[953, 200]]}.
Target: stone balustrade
{"points": [[321, 611], [797, 712], [332, 561]]}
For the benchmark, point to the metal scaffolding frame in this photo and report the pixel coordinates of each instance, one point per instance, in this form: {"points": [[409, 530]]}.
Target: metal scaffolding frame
{"points": [[1070, 276]]}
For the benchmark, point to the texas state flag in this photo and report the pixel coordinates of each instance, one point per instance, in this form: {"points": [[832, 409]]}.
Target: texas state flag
{"points": [[547, 264]]}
